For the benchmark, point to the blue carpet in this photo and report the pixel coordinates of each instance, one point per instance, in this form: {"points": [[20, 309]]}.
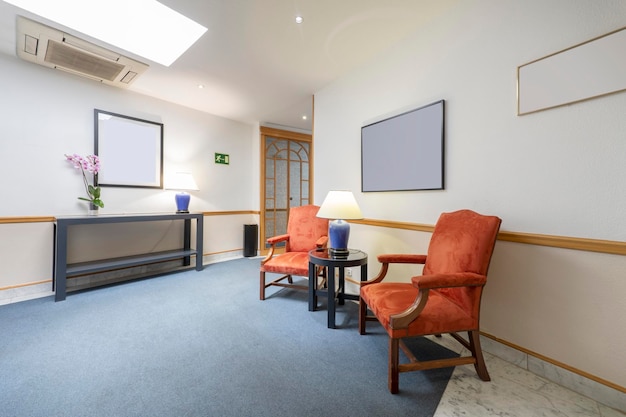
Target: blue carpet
{"points": [[201, 344]]}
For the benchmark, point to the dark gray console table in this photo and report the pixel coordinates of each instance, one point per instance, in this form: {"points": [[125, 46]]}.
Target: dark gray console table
{"points": [[62, 269]]}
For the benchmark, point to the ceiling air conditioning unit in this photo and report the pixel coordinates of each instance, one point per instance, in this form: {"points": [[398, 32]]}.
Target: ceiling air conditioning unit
{"points": [[52, 48]]}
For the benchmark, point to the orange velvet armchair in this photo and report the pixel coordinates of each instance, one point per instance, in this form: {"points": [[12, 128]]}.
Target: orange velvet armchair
{"points": [[305, 232], [444, 299]]}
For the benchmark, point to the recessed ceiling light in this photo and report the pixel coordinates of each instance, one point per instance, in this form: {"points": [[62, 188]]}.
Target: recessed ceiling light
{"points": [[200, 86], [144, 27], [304, 117], [299, 19]]}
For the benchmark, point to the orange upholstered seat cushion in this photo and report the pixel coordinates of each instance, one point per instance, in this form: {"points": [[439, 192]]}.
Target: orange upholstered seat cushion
{"points": [[440, 315], [289, 263]]}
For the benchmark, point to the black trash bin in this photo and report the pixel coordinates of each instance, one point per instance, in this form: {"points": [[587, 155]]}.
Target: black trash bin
{"points": [[250, 239]]}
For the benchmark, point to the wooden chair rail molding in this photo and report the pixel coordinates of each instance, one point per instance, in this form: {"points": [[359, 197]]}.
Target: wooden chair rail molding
{"points": [[230, 213], [43, 219], [564, 242], [7, 220], [590, 245]]}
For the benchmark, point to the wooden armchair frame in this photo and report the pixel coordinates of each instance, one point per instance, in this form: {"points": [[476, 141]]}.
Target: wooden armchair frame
{"points": [[305, 232], [404, 321]]}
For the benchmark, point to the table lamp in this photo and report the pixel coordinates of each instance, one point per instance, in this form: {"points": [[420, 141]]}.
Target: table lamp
{"points": [[339, 206], [182, 181]]}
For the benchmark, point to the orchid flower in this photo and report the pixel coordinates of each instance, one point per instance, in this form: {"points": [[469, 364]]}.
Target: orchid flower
{"points": [[91, 164]]}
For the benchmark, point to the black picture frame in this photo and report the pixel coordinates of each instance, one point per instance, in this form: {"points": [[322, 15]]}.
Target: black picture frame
{"points": [[130, 151]]}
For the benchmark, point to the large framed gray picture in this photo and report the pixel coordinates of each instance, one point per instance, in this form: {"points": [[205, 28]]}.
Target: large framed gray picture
{"points": [[404, 152], [130, 151]]}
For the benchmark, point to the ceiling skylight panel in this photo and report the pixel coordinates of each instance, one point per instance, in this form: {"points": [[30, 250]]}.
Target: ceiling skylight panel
{"points": [[144, 27]]}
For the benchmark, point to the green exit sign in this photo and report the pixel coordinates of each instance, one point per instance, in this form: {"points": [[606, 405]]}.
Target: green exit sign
{"points": [[222, 158]]}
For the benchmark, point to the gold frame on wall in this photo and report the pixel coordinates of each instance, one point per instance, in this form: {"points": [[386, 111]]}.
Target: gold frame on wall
{"points": [[585, 71]]}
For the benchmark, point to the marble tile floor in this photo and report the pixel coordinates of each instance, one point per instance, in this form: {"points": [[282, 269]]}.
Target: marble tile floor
{"points": [[512, 392]]}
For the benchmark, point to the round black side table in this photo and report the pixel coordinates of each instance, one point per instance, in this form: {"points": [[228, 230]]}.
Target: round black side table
{"points": [[322, 257]]}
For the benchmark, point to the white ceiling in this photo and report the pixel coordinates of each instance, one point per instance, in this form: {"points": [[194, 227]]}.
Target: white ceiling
{"points": [[255, 62]]}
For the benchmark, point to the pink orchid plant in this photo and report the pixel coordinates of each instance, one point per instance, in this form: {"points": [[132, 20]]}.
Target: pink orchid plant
{"points": [[91, 164]]}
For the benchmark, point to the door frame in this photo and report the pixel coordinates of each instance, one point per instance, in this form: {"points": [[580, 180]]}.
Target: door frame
{"points": [[278, 134]]}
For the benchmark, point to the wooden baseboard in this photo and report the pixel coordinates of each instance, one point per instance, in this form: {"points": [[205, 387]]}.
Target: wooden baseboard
{"points": [[555, 362]]}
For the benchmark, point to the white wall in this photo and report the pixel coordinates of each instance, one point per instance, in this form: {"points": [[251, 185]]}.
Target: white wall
{"points": [[46, 114], [556, 172]]}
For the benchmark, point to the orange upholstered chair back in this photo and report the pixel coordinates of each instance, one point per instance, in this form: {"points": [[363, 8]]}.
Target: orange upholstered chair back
{"points": [[462, 241], [304, 228]]}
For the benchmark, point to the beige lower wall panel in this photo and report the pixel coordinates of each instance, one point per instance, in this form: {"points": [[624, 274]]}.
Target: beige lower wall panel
{"points": [[112, 240], [25, 253], [567, 305], [225, 233]]}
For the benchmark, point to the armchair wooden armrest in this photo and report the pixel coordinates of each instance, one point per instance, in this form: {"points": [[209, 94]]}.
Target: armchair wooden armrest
{"points": [[460, 279], [272, 242], [280, 238], [321, 242], [403, 319], [427, 282], [401, 258], [394, 258]]}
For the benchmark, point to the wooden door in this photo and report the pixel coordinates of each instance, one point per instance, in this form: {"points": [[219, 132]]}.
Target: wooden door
{"points": [[286, 172]]}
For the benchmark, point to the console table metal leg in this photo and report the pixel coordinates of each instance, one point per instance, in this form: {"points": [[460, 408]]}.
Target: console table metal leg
{"points": [[186, 240], [60, 264], [199, 243]]}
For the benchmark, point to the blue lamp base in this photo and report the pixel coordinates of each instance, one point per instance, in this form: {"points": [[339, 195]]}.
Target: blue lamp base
{"points": [[182, 202], [338, 233]]}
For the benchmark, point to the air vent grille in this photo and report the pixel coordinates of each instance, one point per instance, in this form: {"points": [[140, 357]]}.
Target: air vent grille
{"points": [[61, 55], [52, 48]]}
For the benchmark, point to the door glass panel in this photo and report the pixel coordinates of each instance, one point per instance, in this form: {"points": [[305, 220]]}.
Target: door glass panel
{"points": [[281, 222], [270, 227], [269, 169], [295, 185], [305, 194], [282, 176], [270, 194]]}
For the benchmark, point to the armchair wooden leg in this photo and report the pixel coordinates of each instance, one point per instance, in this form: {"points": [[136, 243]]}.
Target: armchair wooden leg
{"points": [[394, 373], [262, 287], [474, 342]]}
